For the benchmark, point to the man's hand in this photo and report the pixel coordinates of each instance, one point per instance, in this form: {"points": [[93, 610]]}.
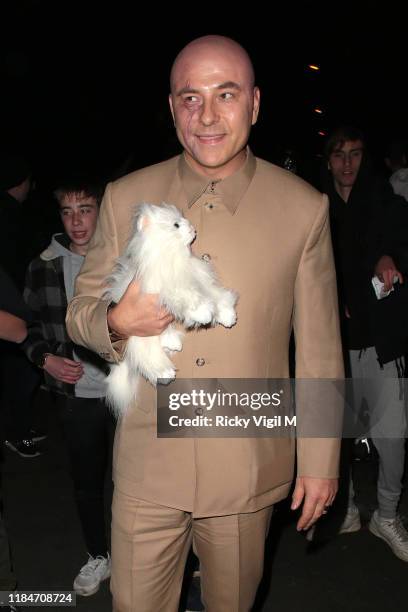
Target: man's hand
{"points": [[386, 270], [138, 314], [316, 494], [64, 369]]}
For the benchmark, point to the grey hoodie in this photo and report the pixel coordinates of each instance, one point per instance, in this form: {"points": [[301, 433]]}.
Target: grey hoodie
{"points": [[92, 382]]}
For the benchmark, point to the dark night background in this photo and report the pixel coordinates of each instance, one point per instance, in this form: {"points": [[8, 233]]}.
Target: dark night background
{"points": [[84, 85]]}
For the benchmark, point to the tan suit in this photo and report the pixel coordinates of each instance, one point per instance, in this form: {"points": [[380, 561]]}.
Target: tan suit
{"points": [[267, 234]]}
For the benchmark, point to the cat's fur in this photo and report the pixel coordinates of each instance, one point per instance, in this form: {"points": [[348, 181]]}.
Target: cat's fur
{"points": [[159, 257]]}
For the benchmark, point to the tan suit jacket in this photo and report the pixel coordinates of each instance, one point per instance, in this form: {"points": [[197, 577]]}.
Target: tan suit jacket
{"points": [[267, 233]]}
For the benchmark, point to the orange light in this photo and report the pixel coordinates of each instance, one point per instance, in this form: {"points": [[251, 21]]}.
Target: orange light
{"points": [[321, 133], [318, 111], [313, 67]]}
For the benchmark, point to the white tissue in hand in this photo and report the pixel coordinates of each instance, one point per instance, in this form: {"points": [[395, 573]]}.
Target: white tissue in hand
{"points": [[379, 287]]}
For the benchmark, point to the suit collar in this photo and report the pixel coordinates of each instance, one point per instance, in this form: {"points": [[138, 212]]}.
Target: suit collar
{"points": [[230, 189]]}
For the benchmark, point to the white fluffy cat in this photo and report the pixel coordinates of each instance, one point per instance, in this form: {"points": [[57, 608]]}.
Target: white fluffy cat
{"points": [[159, 257]]}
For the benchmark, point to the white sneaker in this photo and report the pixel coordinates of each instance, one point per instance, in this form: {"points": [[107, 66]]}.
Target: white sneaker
{"points": [[391, 531], [351, 521], [92, 574]]}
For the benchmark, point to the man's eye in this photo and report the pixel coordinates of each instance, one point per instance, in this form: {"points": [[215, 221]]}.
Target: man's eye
{"points": [[227, 95], [177, 225], [191, 99]]}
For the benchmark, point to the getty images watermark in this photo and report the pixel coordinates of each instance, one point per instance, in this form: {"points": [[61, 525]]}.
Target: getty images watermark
{"points": [[203, 403], [309, 408], [236, 408]]}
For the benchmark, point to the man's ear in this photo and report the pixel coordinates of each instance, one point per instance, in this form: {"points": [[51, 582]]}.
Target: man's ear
{"points": [[171, 108], [256, 103]]}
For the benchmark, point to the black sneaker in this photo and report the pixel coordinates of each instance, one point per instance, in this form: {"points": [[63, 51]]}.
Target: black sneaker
{"points": [[25, 448], [37, 435], [194, 603]]}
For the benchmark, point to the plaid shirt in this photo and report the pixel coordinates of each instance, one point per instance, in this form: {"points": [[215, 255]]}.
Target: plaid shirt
{"points": [[45, 295]]}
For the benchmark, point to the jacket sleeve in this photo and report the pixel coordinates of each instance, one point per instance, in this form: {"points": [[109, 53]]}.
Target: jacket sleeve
{"points": [[394, 225], [86, 316], [318, 354], [11, 299], [35, 344]]}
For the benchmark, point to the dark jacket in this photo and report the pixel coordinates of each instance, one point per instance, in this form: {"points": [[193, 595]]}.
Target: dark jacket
{"points": [[369, 225], [10, 299], [14, 244]]}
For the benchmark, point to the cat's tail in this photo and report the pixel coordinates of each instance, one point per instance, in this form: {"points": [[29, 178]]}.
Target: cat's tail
{"points": [[121, 388]]}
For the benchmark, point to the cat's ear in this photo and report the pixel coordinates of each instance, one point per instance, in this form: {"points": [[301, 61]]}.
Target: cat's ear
{"points": [[142, 222]]}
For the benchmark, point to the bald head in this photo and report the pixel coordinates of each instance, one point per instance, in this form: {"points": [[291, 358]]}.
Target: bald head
{"points": [[212, 49], [214, 104]]}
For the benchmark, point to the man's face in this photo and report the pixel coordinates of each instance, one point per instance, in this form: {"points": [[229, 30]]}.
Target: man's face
{"points": [[214, 105], [345, 161], [79, 215]]}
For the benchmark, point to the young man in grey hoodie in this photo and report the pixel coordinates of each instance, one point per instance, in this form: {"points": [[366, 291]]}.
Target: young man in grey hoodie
{"points": [[76, 375]]}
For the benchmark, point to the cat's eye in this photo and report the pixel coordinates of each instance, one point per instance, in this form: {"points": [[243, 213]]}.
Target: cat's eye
{"points": [[177, 225]]}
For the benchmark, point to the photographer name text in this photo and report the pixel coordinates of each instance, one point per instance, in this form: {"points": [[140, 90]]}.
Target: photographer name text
{"points": [[233, 421]]}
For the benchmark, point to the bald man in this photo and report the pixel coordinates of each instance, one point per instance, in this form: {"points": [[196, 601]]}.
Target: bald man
{"points": [[267, 234]]}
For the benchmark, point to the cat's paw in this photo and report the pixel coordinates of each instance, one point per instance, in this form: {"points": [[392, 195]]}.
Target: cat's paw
{"points": [[166, 376], [172, 341], [227, 317], [202, 315]]}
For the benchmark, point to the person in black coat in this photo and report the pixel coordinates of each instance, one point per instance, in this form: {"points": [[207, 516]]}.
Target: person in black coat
{"points": [[368, 223], [19, 378], [13, 317]]}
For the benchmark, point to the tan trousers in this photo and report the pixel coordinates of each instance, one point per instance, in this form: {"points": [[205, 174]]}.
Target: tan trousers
{"points": [[150, 544]]}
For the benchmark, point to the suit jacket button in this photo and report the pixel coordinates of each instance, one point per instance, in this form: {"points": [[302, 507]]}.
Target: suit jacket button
{"points": [[200, 361], [198, 411]]}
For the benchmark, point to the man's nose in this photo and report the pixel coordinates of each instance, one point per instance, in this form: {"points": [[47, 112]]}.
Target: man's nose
{"points": [[209, 113], [76, 219]]}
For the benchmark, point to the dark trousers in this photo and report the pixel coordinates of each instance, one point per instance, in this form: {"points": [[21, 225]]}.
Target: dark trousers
{"points": [[88, 429], [7, 577], [19, 380]]}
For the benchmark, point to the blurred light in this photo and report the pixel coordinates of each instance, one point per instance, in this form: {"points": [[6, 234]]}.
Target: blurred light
{"points": [[318, 111], [313, 67], [322, 133]]}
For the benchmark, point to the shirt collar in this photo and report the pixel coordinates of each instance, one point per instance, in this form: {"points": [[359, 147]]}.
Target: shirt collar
{"points": [[230, 189]]}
